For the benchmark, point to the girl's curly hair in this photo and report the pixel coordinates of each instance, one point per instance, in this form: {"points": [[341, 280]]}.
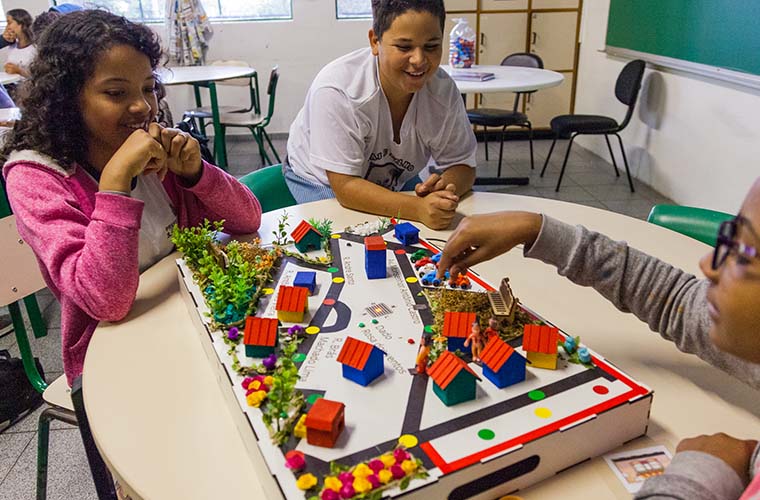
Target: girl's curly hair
{"points": [[51, 119]]}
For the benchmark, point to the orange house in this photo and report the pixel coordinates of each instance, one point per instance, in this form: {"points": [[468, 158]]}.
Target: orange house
{"points": [[540, 344], [292, 303]]}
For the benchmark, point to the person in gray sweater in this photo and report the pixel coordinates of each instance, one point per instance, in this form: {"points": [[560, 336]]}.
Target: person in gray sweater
{"points": [[715, 318]]}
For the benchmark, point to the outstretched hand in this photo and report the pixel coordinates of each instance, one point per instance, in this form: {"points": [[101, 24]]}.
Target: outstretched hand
{"points": [[482, 237]]}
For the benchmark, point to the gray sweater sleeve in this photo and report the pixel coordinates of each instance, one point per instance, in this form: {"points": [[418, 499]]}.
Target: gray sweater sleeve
{"points": [[671, 301]]}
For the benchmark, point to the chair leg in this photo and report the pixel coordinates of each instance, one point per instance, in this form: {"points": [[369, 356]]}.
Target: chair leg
{"points": [[262, 152], [485, 140], [269, 141], [35, 316], [43, 443], [625, 160], [612, 155], [546, 162], [564, 163], [501, 149], [530, 142]]}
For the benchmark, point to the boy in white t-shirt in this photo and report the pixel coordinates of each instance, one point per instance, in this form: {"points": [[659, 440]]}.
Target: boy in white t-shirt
{"points": [[375, 118]]}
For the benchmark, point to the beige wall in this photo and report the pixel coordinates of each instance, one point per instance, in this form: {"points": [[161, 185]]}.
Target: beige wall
{"points": [[695, 140]]}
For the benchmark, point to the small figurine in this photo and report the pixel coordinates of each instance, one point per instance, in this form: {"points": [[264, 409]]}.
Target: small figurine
{"points": [[493, 328], [569, 345], [583, 355], [476, 339], [424, 354]]}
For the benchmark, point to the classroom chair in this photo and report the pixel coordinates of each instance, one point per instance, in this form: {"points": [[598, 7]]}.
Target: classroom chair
{"points": [[698, 223], [20, 278], [627, 91], [255, 122], [494, 117], [202, 113], [268, 184]]}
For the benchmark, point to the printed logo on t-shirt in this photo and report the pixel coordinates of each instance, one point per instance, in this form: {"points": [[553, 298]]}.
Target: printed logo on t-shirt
{"points": [[388, 173]]}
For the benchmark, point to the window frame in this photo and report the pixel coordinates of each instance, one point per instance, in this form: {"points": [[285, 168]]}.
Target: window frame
{"points": [[351, 17]]}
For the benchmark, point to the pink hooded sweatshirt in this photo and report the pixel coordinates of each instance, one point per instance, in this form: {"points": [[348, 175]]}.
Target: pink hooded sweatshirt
{"points": [[86, 242]]}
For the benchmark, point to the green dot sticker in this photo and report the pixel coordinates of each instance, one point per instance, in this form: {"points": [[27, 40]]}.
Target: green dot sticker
{"points": [[375, 321], [486, 434], [299, 357], [332, 269], [361, 325], [428, 328], [313, 398], [536, 395]]}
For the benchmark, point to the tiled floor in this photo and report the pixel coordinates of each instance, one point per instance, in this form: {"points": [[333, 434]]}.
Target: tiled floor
{"points": [[589, 180]]}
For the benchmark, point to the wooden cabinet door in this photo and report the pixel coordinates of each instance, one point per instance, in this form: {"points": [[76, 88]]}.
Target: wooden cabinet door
{"points": [[545, 104], [550, 4], [501, 4], [501, 34], [553, 36], [461, 5]]}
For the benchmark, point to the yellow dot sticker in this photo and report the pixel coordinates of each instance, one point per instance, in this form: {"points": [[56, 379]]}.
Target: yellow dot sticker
{"points": [[408, 441], [268, 291], [312, 330], [338, 280], [335, 236], [543, 412], [411, 279]]}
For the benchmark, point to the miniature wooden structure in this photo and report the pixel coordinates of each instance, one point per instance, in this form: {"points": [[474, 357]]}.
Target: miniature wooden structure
{"points": [[292, 303], [503, 302], [306, 237], [407, 233], [324, 422], [453, 380], [502, 365], [374, 257], [260, 337], [362, 361], [540, 344], [456, 328], [306, 279]]}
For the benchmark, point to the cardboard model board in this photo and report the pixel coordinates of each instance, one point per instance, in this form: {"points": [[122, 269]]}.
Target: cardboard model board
{"points": [[504, 440]]}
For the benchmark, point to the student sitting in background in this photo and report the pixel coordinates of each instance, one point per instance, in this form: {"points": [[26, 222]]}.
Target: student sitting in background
{"points": [[375, 118], [22, 51], [715, 318], [95, 183]]}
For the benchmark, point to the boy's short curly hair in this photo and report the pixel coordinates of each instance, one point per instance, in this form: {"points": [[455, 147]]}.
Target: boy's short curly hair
{"points": [[384, 12], [51, 119]]}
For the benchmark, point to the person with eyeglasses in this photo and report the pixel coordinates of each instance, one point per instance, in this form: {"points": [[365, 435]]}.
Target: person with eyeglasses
{"points": [[716, 317]]}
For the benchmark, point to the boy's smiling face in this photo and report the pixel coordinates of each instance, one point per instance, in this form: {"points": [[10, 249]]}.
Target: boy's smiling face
{"points": [[734, 295], [409, 53]]}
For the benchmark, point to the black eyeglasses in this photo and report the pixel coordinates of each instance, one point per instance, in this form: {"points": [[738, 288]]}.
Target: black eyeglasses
{"points": [[727, 243]]}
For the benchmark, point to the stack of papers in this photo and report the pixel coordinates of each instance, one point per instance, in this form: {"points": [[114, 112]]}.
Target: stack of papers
{"points": [[474, 76]]}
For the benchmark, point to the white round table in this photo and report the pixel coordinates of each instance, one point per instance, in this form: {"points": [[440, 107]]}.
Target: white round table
{"points": [[507, 79], [7, 78], [163, 425]]}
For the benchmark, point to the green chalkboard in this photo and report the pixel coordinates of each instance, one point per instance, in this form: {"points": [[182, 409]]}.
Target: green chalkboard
{"points": [[718, 33]]}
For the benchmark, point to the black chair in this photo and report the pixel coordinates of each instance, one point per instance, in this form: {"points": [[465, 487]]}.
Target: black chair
{"points": [[627, 91], [493, 117]]}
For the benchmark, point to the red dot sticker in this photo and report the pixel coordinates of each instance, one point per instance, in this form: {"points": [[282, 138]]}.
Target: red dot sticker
{"points": [[400, 251], [329, 302], [600, 389]]}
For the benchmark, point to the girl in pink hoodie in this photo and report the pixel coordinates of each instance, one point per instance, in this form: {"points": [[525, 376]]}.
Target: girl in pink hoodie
{"points": [[95, 183]]}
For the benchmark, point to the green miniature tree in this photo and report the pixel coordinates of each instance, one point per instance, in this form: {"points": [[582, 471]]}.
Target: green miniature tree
{"points": [[281, 233], [284, 401]]}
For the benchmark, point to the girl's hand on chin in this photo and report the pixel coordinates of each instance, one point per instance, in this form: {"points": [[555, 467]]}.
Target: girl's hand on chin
{"points": [[139, 154]]}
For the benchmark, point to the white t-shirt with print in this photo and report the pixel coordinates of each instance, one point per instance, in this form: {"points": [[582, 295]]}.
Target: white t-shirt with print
{"points": [[345, 127], [21, 57]]}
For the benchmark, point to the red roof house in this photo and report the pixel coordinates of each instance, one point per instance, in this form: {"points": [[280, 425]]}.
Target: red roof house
{"points": [[362, 361], [306, 237], [540, 343], [453, 380], [292, 303], [457, 327], [502, 365], [260, 336]]}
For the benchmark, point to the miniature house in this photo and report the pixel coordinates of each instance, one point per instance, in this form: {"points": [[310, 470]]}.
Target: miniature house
{"points": [[306, 237], [306, 279], [456, 328], [374, 257], [453, 380], [502, 365], [540, 344], [362, 361], [503, 302], [292, 303], [407, 233], [324, 422], [260, 337]]}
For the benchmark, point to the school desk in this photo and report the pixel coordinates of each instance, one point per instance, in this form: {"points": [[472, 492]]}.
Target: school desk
{"points": [[8, 78], [207, 76], [160, 419]]}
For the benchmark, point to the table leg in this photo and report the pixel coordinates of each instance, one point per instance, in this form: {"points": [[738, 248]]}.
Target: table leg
{"points": [[198, 104], [219, 150]]}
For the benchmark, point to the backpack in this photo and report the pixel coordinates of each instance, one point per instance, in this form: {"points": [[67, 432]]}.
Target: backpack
{"points": [[188, 125], [17, 396]]}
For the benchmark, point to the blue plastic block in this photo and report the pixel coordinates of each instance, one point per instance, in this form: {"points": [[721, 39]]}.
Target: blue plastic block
{"points": [[306, 279], [407, 233], [512, 372], [372, 369], [374, 264], [455, 343]]}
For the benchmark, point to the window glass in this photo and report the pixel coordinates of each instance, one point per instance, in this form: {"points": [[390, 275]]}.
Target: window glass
{"points": [[348, 9]]}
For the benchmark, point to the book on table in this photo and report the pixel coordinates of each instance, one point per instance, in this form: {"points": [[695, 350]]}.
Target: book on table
{"points": [[474, 76]]}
